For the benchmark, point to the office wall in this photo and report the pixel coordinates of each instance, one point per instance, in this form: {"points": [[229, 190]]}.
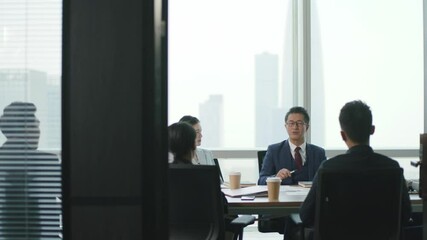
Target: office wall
{"points": [[114, 120]]}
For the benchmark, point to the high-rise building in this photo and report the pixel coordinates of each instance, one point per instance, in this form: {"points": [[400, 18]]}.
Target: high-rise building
{"points": [[211, 115], [268, 114]]}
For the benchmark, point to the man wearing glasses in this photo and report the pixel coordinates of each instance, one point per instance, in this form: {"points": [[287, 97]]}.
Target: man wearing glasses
{"points": [[292, 160]]}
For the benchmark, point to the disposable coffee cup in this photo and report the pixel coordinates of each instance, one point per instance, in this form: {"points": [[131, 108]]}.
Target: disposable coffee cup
{"points": [[273, 186], [234, 178]]}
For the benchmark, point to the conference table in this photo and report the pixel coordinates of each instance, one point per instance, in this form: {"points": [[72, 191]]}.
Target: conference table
{"points": [[290, 200]]}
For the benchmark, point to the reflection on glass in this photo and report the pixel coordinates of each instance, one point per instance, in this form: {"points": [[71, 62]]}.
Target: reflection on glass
{"points": [[30, 178], [30, 71]]}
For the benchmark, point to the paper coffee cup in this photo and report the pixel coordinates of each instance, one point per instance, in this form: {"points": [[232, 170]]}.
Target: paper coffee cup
{"points": [[273, 186], [234, 178]]}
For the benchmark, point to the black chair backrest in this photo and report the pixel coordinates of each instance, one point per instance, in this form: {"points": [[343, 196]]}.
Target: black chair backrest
{"points": [[261, 155], [221, 178], [358, 204], [196, 204]]}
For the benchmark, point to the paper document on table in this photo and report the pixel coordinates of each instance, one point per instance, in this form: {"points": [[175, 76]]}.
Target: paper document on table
{"points": [[294, 190], [305, 184], [242, 184], [252, 190], [297, 193]]}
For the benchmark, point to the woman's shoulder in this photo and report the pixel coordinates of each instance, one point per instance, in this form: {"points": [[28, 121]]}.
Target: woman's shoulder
{"points": [[205, 156], [204, 151]]}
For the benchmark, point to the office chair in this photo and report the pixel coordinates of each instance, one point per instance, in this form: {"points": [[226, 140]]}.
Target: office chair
{"points": [[260, 155], [197, 207], [269, 223], [357, 204]]}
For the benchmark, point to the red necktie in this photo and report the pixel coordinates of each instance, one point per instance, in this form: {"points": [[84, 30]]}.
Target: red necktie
{"points": [[298, 158]]}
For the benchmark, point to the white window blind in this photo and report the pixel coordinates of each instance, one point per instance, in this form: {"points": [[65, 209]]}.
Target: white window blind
{"points": [[30, 117]]}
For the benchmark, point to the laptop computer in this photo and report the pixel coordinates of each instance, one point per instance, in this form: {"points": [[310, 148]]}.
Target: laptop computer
{"points": [[219, 170]]}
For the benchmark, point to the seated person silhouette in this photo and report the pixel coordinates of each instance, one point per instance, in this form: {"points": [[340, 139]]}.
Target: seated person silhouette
{"points": [[182, 146], [201, 156], [30, 191]]}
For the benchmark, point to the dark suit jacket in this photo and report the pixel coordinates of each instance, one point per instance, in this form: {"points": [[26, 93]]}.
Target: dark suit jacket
{"points": [[279, 156], [28, 176], [363, 157]]}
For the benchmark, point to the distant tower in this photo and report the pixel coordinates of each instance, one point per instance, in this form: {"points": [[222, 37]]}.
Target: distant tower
{"points": [[268, 116], [211, 118]]}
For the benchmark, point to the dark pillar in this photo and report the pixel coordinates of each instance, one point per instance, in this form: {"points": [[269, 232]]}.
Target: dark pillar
{"points": [[114, 120]]}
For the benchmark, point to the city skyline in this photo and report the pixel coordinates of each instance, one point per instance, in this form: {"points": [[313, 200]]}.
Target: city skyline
{"points": [[349, 60]]}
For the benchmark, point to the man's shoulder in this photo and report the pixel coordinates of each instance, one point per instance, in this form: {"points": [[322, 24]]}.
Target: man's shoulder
{"points": [[33, 156], [313, 147], [46, 156], [278, 145], [334, 159], [381, 156], [348, 160], [386, 159]]}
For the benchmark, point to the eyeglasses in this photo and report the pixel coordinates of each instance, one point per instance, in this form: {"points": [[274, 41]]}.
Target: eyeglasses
{"points": [[293, 124]]}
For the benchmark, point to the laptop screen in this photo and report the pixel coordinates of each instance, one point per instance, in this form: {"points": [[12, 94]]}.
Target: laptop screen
{"points": [[219, 170]]}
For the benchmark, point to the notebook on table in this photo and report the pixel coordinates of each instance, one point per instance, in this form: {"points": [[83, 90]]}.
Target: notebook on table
{"points": [[305, 184], [258, 190], [243, 184]]}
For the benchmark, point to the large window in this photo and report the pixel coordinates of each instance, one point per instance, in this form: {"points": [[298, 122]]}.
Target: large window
{"points": [[240, 65], [30, 61], [361, 50], [230, 64], [30, 119]]}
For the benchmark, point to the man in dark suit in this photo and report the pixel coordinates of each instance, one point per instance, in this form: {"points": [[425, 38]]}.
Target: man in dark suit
{"points": [[280, 159], [292, 160], [356, 127], [30, 190]]}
